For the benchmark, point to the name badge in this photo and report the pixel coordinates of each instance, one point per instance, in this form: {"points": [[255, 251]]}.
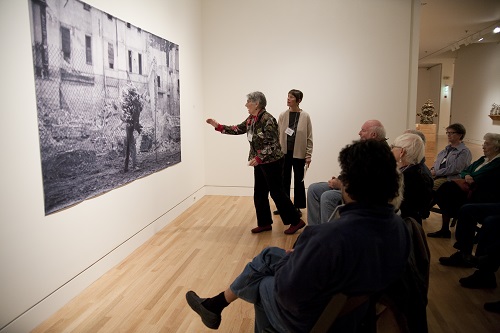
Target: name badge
{"points": [[289, 131]]}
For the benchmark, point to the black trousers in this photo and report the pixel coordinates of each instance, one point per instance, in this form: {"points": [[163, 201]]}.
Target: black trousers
{"points": [[450, 198], [489, 244], [299, 190], [268, 178], [469, 216]]}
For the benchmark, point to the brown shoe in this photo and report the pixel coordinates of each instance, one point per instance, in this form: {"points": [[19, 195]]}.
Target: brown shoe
{"points": [[261, 229], [294, 228]]}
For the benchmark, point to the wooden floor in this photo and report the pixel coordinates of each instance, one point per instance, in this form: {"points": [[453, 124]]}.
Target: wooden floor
{"points": [[204, 249]]}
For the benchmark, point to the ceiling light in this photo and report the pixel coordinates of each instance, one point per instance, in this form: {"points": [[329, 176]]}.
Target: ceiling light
{"points": [[480, 39], [496, 30]]}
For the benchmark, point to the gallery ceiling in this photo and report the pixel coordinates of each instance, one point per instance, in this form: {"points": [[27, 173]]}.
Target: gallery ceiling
{"points": [[448, 24]]}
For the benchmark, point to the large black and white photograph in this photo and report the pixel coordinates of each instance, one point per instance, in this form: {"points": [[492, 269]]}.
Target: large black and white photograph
{"points": [[108, 102]]}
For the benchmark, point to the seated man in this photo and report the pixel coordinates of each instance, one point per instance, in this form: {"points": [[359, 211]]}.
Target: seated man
{"points": [[487, 256], [324, 197], [489, 264], [469, 216], [487, 259], [362, 253]]}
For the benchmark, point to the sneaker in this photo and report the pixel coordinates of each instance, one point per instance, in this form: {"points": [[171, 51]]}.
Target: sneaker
{"points": [[492, 306], [457, 259], [479, 280], [440, 234], [294, 228], [261, 229], [210, 319]]}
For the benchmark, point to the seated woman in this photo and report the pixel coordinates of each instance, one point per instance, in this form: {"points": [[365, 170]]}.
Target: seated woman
{"points": [[453, 158], [478, 183], [408, 149]]}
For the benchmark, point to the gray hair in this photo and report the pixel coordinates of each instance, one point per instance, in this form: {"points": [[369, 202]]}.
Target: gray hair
{"points": [[380, 132], [259, 98], [413, 146], [417, 132], [494, 138]]}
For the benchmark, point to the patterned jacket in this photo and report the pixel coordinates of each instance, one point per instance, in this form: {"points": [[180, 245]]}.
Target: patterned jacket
{"points": [[263, 136]]}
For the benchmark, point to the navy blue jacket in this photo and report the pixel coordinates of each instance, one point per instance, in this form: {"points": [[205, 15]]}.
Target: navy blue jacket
{"points": [[361, 252]]}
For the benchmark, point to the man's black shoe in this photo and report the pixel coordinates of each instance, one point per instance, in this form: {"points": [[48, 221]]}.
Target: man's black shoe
{"points": [[479, 280], [210, 319], [457, 259], [440, 234], [492, 306]]}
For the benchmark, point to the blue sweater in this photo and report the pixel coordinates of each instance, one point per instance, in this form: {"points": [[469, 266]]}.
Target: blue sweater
{"points": [[362, 252]]}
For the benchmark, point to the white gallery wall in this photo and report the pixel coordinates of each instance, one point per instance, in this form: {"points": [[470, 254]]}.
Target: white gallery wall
{"points": [[429, 84], [354, 60], [476, 87], [47, 260], [472, 74]]}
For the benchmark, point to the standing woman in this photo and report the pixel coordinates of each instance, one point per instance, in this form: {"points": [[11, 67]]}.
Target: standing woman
{"points": [[267, 159], [296, 142]]}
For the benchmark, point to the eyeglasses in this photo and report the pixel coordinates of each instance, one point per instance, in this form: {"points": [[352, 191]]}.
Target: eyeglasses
{"points": [[450, 133], [393, 146]]}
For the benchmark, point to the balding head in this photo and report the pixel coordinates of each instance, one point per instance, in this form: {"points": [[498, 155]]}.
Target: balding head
{"points": [[372, 129]]}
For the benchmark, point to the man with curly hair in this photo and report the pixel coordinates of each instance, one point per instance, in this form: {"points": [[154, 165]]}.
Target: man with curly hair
{"points": [[362, 253]]}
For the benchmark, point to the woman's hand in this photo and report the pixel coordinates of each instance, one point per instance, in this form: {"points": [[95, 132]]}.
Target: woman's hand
{"points": [[468, 179], [253, 162], [308, 161], [212, 122]]}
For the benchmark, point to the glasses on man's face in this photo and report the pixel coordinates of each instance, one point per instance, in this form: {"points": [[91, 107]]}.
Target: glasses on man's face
{"points": [[450, 133], [393, 146]]}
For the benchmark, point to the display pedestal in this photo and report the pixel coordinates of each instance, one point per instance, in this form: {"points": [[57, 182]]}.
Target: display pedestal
{"points": [[430, 132]]}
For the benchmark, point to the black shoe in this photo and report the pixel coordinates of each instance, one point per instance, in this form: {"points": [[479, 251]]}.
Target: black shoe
{"points": [[440, 234], [276, 212], [457, 259], [492, 306], [479, 280], [210, 319]]}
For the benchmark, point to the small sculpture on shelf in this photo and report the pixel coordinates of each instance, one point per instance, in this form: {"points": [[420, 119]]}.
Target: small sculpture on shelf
{"points": [[495, 110], [427, 116]]}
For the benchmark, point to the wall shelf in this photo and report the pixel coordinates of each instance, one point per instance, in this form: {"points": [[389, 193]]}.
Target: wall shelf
{"points": [[495, 117]]}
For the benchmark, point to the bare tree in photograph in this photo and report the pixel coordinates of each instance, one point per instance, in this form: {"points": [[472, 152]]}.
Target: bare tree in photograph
{"points": [[108, 101]]}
